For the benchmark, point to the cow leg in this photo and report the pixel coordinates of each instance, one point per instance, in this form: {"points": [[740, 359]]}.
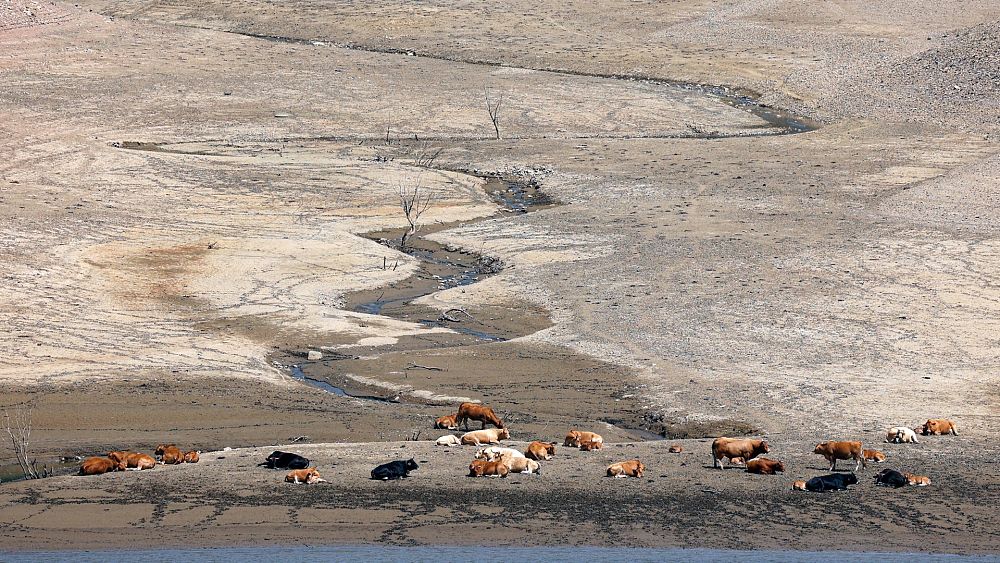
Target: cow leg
{"points": [[484, 425], [833, 465], [953, 431]]}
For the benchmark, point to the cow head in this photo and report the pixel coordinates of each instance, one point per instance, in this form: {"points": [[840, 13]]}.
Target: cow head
{"points": [[779, 466], [476, 468], [820, 448], [118, 457], [762, 447], [161, 448], [639, 468], [503, 434], [922, 429], [851, 479], [411, 464]]}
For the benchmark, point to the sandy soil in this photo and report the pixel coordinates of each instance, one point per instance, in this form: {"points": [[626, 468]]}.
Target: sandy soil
{"points": [[180, 211]]}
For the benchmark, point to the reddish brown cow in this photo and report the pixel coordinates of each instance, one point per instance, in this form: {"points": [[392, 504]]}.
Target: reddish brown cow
{"points": [[631, 468], [938, 426], [730, 448], [765, 466], [192, 457], [834, 451], [304, 476], [447, 422], [591, 445], [480, 468], [540, 451], [97, 465], [169, 454], [675, 449], [873, 455], [482, 413]]}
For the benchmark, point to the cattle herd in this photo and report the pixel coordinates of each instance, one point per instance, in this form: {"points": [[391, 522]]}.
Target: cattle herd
{"points": [[492, 460]]}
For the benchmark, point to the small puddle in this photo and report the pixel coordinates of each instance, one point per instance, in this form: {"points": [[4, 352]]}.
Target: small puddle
{"points": [[297, 373]]}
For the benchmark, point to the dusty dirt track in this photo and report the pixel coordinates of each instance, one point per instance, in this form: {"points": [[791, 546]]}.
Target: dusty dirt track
{"points": [[180, 205]]}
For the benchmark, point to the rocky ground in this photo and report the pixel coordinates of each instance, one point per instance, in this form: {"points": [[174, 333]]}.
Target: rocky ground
{"points": [[182, 186]]}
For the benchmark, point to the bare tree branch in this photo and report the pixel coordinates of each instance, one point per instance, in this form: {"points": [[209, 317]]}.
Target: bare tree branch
{"points": [[414, 202], [18, 429], [493, 107]]}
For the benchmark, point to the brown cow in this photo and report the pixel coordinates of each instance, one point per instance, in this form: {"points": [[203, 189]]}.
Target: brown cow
{"points": [[480, 468], [574, 438], [482, 413], [631, 468], [304, 476], [731, 448], [192, 457], [487, 436], [97, 465], [133, 460], [873, 455], [169, 454], [591, 445], [675, 449], [447, 422], [937, 427], [764, 466], [799, 486], [834, 451], [540, 451], [917, 480]]}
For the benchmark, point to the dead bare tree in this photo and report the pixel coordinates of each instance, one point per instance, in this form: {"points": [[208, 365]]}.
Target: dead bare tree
{"points": [[18, 429], [425, 155], [493, 107], [414, 202]]}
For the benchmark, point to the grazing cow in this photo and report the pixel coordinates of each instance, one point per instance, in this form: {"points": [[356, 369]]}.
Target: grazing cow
{"points": [[496, 453], [834, 451], [480, 468], [631, 468], [447, 422], [522, 465], [540, 451], [488, 436], [873, 455], [834, 482], [576, 437], [448, 440], [675, 449], [742, 448], [132, 460], [285, 460], [192, 457], [304, 476], [98, 465], [799, 486], [764, 466], [938, 426], [901, 435], [482, 413], [169, 454], [890, 478], [394, 470], [591, 445], [917, 480]]}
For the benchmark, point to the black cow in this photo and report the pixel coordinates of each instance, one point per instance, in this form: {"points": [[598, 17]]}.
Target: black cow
{"points": [[284, 460], [891, 478], [394, 469], [832, 482]]}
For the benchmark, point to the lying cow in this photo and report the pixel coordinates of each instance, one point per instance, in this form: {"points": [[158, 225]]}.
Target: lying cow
{"points": [[496, 453], [488, 436], [873, 456], [447, 422], [482, 413], [98, 465], [675, 449], [133, 460], [890, 478], [591, 445], [834, 451], [631, 468], [901, 435], [285, 460], [576, 438], [799, 486], [169, 454], [917, 480], [834, 482], [304, 476], [764, 466], [192, 457], [394, 470], [731, 448], [481, 468], [522, 465], [540, 451], [938, 426], [448, 440]]}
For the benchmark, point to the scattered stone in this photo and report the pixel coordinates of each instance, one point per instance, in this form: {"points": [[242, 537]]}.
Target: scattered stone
{"points": [[314, 355]]}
